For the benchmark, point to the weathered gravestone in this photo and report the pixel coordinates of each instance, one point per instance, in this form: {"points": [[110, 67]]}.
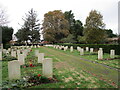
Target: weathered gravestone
{"points": [[87, 49], [21, 59], [9, 49], [4, 51], [91, 50], [40, 57], [13, 53], [65, 48], [36, 53], [82, 51], [47, 67], [14, 70], [100, 54], [71, 49], [18, 52], [78, 48], [112, 53]]}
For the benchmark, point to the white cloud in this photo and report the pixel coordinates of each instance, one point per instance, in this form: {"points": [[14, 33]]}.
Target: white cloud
{"points": [[81, 8]]}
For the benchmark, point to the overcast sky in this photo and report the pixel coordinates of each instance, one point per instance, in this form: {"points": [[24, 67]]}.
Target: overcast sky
{"points": [[16, 9]]}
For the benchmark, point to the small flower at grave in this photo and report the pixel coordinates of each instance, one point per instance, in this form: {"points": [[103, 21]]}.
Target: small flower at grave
{"points": [[39, 75], [30, 65], [24, 66], [31, 50]]}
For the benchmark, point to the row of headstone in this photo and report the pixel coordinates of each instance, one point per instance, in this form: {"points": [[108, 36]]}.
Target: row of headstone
{"points": [[100, 52], [14, 66], [60, 47], [47, 67], [14, 71], [87, 49]]}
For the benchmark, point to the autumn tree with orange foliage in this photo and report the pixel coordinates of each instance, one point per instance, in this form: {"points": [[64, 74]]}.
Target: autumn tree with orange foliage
{"points": [[55, 26]]}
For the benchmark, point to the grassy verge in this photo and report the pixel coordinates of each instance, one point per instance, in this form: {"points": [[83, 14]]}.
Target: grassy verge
{"points": [[70, 71]]}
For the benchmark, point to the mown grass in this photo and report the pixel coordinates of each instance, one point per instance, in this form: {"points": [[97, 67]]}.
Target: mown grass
{"points": [[66, 68], [93, 57], [67, 76]]}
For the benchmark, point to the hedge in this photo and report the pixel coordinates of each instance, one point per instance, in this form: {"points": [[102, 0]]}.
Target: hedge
{"points": [[106, 47]]}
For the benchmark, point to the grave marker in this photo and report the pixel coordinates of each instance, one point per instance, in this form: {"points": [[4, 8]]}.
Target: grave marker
{"points": [[40, 57], [71, 49], [82, 51], [100, 54], [14, 70], [87, 49], [47, 67], [91, 50], [21, 59], [36, 53], [112, 53]]}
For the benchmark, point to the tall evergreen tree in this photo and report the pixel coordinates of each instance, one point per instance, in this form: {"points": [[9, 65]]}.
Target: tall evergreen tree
{"points": [[76, 26], [30, 29]]}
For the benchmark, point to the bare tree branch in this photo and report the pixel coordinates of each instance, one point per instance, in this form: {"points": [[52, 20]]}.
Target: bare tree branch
{"points": [[3, 17]]}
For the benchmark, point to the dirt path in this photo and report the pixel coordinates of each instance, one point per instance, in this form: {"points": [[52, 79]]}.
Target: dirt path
{"points": [[69, 61]]}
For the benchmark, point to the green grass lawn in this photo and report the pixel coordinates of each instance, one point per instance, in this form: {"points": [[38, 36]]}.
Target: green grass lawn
{"points": [[69, 69], [88, 56]]}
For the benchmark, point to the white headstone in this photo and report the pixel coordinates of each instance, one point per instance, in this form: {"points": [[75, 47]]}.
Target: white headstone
{"points": [[13, 53], [0, 54], [9, 49], [100, 49], [36, 53], [64, 48], [18, 52], [14, 70], [40, 57], [82, 51], [21, 59], [78, 48], [87, 49], [47, 67], [100, 54], [112, 53], [7, 52], [35, 46], [91, 50], [4, 51], [71, 49]]}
